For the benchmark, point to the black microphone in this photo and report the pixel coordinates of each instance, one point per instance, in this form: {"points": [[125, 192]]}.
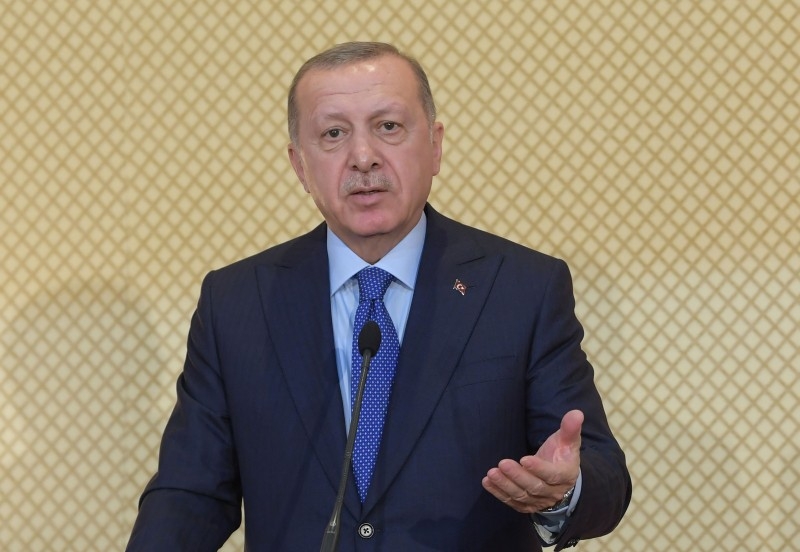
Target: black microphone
{"points": [[368, 342]]}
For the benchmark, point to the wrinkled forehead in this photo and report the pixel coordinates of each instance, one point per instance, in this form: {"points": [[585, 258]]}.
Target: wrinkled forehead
{"points": [[389, 77]]}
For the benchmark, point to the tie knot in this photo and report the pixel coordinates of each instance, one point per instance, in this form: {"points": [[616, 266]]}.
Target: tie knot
{"points": [[373, 283]]}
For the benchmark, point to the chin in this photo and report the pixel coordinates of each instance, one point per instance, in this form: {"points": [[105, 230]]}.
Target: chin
{"points": [[369, 224]]}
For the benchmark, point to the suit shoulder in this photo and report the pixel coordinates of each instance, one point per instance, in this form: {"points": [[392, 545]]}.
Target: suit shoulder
{"points": [[241, 274], [498, 244], [286, 253]]}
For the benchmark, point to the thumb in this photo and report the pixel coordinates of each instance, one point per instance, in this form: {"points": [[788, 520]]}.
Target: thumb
{"points": [[571, 425]]}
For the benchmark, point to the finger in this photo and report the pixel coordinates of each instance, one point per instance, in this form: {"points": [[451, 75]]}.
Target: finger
{"points": [[503, 485], [496, 491], [518, 475], [510, 494], [564, 445], [571, 425], [510, 479], [552, 474]]}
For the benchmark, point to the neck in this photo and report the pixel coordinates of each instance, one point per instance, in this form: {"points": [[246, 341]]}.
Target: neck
{"points": [[374, 248]]}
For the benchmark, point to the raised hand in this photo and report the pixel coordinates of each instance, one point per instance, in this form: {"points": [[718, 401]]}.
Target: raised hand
{"points": [[537, 482]]}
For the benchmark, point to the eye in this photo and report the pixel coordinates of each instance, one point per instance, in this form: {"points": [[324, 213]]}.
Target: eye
{"points": [[333, 133], [389, 125]]}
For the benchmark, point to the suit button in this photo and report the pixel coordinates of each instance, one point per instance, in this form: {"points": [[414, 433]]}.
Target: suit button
{"points": [[365, 531], [570, 544]]}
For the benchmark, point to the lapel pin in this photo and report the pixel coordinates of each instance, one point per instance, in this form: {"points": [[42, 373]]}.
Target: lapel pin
{"points": [[460, 287]]}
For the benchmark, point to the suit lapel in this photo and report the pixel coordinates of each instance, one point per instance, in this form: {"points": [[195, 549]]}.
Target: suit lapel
{"points": [[439, 324], [295, 294]]}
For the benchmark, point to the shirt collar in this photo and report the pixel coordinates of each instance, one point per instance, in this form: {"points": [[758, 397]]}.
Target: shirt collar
{"points": [[401, 262]]}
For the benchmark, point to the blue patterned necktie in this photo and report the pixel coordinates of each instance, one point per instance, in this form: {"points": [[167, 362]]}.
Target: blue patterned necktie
{"points": [[372, 284]]}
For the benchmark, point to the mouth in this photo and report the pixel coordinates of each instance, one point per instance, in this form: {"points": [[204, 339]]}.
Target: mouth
{"points": [[367, 197], [366, 185]]}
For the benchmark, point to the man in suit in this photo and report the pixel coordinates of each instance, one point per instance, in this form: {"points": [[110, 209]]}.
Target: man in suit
{"points": [[494, 436]]}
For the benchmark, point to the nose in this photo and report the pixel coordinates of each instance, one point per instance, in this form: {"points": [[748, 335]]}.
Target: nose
{"points": [[364, 153]]}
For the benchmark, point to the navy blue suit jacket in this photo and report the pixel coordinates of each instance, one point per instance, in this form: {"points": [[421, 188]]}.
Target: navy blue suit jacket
{"points": [[482, 376]]}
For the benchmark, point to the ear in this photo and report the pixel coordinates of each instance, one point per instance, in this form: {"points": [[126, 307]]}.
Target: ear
{"points": [[296, 159], [437, 137]]}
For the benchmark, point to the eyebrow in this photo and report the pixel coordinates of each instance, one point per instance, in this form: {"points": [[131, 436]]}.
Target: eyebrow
{"points": [[394, 107]]}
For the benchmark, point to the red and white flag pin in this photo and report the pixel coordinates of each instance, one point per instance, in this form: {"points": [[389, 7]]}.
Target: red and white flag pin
{"points": [[460, 287]]}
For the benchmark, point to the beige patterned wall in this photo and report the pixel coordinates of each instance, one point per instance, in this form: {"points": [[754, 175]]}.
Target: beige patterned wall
{"points": [[655, 145]]}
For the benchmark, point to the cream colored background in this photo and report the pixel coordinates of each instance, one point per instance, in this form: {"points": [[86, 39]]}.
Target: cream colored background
{"points": [[654, 145]]}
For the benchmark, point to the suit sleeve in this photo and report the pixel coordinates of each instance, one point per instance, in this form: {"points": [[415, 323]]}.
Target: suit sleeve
{"points": [[561, 379], [194, 500]]}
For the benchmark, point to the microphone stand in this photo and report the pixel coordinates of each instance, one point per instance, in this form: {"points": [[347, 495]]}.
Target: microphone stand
{"points": [[330, 540]]}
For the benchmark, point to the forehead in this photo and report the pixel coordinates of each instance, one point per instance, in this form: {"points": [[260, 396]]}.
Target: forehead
{"points": [[361, 84]]}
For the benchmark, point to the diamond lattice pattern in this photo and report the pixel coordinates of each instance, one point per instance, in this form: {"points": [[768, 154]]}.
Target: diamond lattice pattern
{"points": [[653, 145]]}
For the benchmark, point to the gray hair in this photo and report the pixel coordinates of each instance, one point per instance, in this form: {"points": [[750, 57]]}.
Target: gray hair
{"points": [[353, 52]]}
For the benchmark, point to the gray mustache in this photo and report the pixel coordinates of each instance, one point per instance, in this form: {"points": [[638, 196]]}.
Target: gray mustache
{"points": [[357, 182]]}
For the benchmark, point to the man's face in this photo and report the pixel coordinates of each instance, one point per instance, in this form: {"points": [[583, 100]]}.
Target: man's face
{"points": [[366, 151]]}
